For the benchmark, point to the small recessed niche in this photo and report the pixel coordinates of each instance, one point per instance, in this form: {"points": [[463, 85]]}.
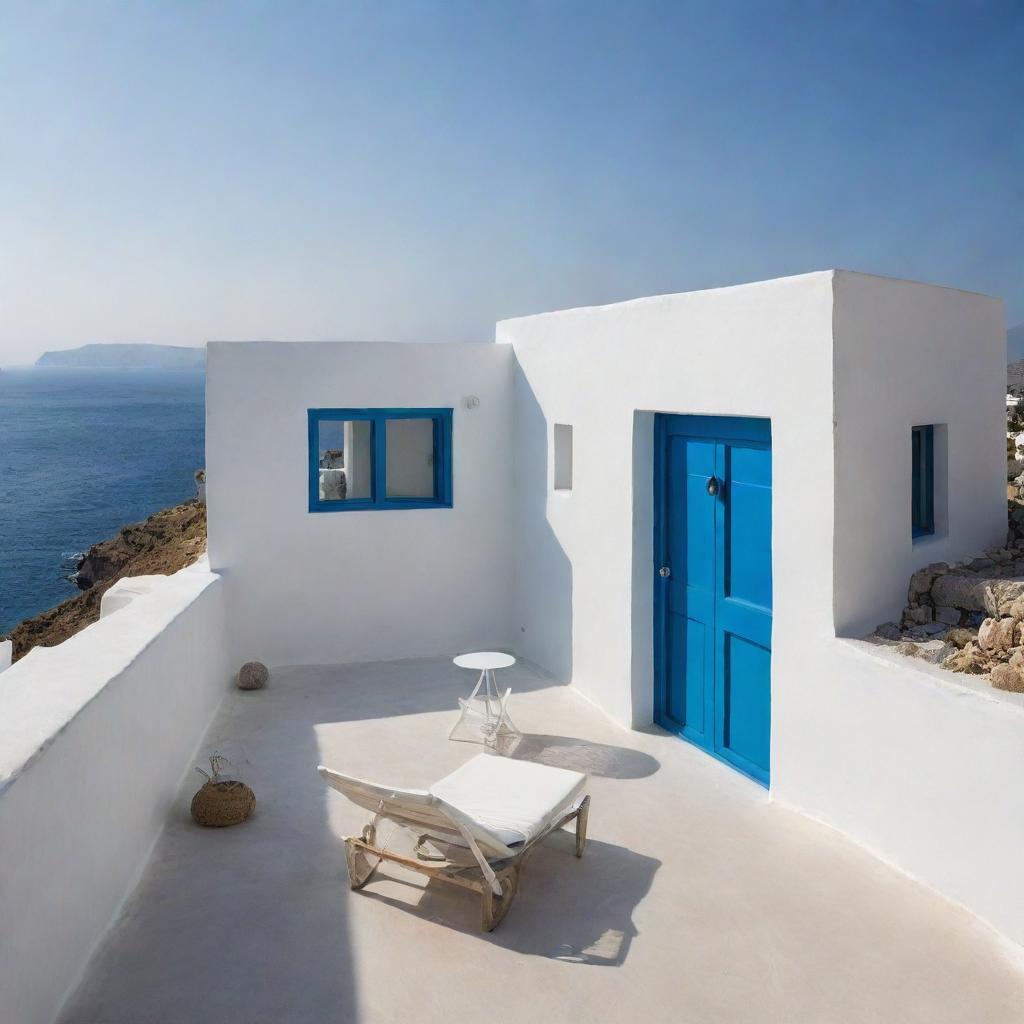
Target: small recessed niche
{"points": [[563, 456]]}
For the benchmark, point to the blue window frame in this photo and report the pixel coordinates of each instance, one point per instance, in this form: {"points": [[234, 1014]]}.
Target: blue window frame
{"points": [[361, 459], [923, 498]]}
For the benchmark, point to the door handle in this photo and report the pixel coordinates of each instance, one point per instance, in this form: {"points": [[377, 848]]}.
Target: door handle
{"points": [[714, 485], [664, 572]]}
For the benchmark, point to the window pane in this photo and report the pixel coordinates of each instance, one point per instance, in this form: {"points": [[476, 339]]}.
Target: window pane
{"points": [[923, 482], [409, 458], [918, 476], [345, 459]]}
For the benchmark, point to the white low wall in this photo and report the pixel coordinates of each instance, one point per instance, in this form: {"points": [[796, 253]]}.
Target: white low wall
{"points": [[921, 766], [95, 735]]}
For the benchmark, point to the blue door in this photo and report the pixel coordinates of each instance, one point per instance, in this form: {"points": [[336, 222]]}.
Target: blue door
{"points": [[713, 585]]}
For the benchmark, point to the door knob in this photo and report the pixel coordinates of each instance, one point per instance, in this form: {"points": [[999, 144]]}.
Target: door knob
{"points": [[714, 486], [664, 572]]}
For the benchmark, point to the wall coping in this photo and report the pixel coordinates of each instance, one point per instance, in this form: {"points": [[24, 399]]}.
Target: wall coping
{"points": [[958, 684], [41, 694]]}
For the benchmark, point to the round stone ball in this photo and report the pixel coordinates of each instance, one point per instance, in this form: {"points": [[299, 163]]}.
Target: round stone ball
{"points": [[253, 675]]}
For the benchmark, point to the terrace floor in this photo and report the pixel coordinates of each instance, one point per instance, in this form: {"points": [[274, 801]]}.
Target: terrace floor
{"points": [[697, 898]]}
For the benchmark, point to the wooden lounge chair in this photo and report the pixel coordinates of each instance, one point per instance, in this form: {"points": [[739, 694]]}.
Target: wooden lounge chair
{"points": [[473, 828]]}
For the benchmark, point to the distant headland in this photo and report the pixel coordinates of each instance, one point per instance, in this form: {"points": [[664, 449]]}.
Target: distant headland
{"points": [[127, 357]]}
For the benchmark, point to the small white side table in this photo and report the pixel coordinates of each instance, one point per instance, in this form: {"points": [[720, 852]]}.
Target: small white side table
{"points": [[484, 717]]}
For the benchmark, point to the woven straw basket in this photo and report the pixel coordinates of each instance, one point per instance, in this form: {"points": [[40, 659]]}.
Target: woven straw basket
{"points": [[223, 803]]}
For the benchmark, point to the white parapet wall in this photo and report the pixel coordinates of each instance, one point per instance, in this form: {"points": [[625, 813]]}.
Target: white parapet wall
{"points": [[126, 590], [95, 735], [920, 765]]}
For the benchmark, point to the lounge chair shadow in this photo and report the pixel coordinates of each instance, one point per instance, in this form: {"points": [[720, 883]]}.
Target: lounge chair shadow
{"points": [[601, 759], [575, 911]]}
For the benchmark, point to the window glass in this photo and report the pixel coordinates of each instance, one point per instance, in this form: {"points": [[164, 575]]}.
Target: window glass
{"points": [[345, 459], [922, 506], [409, 458], [362, 459]]}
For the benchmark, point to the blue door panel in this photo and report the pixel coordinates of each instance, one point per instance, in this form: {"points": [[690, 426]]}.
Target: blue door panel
{"points": [[713, 598], [689, 650], [698, 537], [745, 620], [689, 593], [698, 642], [748, 524], [745, 705]]}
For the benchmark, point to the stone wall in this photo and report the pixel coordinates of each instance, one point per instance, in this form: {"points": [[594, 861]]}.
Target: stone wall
{"points": [[969, 616]]}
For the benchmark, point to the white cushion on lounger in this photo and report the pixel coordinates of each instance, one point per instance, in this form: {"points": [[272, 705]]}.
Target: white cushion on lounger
{"points": [[515, 800]]}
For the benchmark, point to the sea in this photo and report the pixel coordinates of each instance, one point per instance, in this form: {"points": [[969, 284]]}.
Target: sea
{"points": [[82, 453]]}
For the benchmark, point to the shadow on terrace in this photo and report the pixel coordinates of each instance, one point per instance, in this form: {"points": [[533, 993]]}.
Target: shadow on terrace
{"points": [[257, 922], [694, 889]]}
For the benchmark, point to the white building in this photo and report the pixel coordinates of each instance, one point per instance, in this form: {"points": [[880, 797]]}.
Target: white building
{"points": [[687, 508], [550, 543]]}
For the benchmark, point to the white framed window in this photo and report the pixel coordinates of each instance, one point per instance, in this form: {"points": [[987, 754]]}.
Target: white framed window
{"points": [[364, 459]]}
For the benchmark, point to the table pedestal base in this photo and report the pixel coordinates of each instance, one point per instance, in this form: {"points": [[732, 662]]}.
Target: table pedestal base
{"points": [[484, 718]]}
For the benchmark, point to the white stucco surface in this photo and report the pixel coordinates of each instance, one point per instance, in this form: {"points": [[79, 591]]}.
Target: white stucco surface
{"points": [[584, 593], [125, 590], [356, 585], [917, 764], [697, 901], [907, 355], [95, 736], [842, 364]]}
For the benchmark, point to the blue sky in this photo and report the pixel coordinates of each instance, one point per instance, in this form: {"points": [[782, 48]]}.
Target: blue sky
{"points": [[178, 172]]}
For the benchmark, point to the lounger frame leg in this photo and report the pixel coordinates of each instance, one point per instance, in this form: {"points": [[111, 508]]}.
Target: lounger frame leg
{"points": [[361, 863], [582, 815], [494, 908], [364, 856]]}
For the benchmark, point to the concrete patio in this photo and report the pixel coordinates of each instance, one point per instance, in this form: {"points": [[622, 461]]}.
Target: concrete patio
{"points": [[697, 899]]}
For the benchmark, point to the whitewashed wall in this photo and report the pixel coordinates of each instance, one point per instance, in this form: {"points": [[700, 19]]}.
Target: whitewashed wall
{"points": [[910, 354], [895, 755], [906, 758], [95, 736], [919, 765], [584, 605], [841, 413], [308, 588], [842, 364]]}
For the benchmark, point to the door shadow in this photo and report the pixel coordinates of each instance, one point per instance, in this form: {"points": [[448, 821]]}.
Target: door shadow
{"points": [[601, 759]]}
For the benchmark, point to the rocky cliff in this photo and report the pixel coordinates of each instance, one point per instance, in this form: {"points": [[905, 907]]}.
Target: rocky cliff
{"points": [[164, 543]]}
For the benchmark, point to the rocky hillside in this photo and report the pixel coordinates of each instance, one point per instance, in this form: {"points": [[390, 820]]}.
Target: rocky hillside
{"points": [[969, 617], [164, 543]]}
